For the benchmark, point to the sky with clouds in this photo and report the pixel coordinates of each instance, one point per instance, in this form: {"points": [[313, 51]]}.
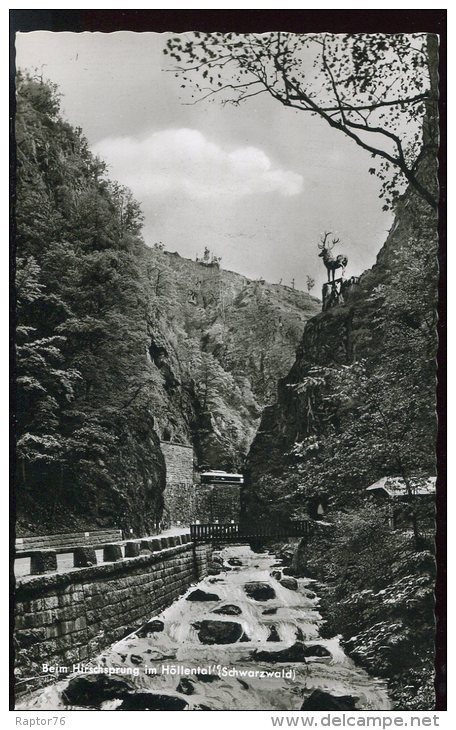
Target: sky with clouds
{"points": [[257, 183]]}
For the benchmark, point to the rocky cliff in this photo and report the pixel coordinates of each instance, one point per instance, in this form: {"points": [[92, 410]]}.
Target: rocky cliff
{"points": [[386, 329], [218, 344]]}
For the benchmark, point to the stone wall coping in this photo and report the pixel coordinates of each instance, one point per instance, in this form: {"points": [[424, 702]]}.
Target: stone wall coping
{"points": [[176, 443], [29, 585]]}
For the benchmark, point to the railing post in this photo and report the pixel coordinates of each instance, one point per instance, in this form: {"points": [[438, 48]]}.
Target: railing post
{"points": [[43, 561], [84, 557]]}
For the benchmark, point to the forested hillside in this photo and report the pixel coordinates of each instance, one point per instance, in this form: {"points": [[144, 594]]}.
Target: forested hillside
{"points": [[120, 345]]}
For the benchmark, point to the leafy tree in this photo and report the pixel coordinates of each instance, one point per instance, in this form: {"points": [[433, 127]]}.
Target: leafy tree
{"points": [[375, 89]]}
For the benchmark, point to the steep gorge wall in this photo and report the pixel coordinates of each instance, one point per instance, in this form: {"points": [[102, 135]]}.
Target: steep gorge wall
{"points": [[355, 331], [218, 344]]}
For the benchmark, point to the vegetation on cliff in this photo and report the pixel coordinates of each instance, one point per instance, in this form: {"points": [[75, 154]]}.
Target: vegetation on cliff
{"points": [[120, 345], [85, 443]]}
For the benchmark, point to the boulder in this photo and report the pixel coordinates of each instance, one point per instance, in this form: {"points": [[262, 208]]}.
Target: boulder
{"points": [[214, 569], [186, 686], [273, 635], [150, 701], [217, 559], [151, 627], [229, 610], [318, 650], [199, 595], [218, 632], [207, 678], [234, 561], [297, 652], [269, 611], [319, 700], [90, 690], [290, 583], [259, 591], [277, 574]]}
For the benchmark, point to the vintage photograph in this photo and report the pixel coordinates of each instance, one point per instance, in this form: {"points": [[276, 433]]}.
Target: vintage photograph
{"points": [[226, 269]]}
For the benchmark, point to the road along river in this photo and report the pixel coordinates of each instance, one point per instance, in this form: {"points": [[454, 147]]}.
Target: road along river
{"points": [[245, 639]]}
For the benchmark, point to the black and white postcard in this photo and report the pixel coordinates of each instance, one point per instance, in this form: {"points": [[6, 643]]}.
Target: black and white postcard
{"points": [[228, 411]]}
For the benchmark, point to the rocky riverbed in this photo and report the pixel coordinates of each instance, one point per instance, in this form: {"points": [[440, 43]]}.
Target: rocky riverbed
{"points": [[246, 638]]}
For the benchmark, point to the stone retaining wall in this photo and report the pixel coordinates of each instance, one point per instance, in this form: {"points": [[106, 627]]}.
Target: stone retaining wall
{"points": [[64, 618], [179, 493]]}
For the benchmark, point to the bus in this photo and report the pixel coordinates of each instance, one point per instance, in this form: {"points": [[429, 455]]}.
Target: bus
{"points": [[221, 477]]}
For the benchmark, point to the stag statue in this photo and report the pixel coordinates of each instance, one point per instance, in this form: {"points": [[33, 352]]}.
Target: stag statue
{"points": [[332, 263]]}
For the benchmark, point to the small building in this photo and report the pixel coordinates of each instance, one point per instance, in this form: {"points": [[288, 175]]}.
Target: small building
{"points": [[398, 495]]}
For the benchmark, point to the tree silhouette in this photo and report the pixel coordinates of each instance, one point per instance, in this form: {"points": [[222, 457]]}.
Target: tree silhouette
{"points": [[376, 89]]}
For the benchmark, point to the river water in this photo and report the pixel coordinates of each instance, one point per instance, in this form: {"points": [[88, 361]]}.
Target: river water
{"points": [[172, 669]]}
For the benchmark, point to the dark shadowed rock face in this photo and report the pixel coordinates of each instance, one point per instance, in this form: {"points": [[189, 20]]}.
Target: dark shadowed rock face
{"points": [[320, 700], [93, 689], [199, 595], [218, 632], [149, 701], [298, 652], [259, 591], [229, 610]]}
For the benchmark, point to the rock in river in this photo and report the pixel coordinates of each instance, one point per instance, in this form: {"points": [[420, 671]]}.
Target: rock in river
{"points": [[290, 583], [269, 611], [152, 627], [199, 595], [218, 632], [229, 610], [186, 686], [320, 700], [297, 652], [273, 634], [259, 591], [93, 689], [150, 701]]}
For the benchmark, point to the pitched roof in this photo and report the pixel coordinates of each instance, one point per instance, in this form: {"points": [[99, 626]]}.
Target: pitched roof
{"points": [[395, 486]]}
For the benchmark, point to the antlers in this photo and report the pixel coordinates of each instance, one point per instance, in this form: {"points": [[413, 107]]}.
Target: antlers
{"points": [[324, 245]]}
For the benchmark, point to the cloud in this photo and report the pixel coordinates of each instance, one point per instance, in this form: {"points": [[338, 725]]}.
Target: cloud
{"points": [[184, 161]]}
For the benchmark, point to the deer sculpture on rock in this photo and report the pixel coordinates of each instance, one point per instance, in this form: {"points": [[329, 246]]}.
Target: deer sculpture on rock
{"points": [[332, 263]]}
